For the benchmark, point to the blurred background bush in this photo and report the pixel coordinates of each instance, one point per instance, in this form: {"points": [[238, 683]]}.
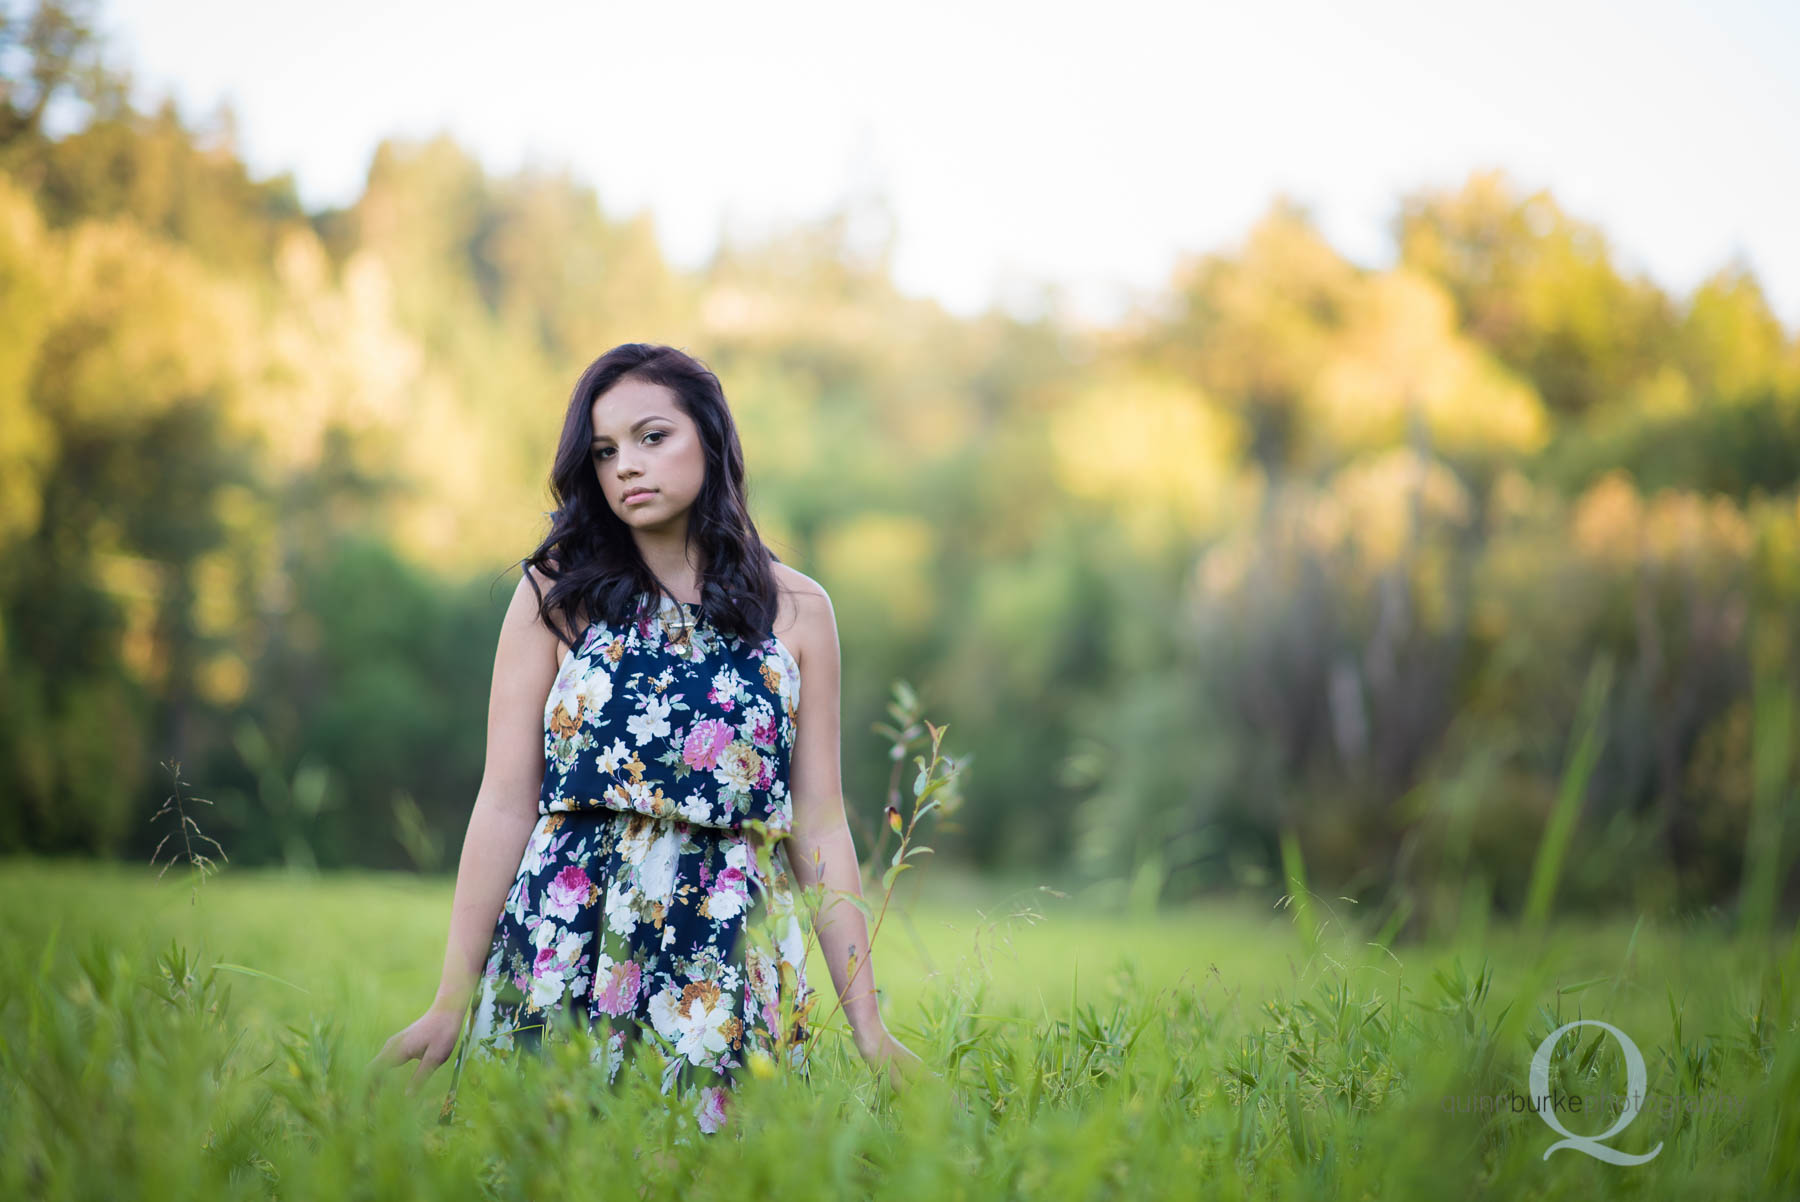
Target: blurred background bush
{"points": [[1303, 548]]}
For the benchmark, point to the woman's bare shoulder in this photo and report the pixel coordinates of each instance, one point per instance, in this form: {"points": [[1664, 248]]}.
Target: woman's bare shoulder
{"points": [[526, 596], [804, 618]]}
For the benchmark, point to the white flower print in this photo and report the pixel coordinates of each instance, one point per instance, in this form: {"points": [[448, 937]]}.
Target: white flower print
{"points": [[609, 758], [727, 684], [656, 877], [533, 861], [568, 948], [730, 890], [621, 908], [739, 767], [792, 947], [653, 723], [760, 974], [577, 697], [634, 842], [693, 1018], [609, 1055], [516, 907], [697, 807], [547, 987], [484, 1034]]}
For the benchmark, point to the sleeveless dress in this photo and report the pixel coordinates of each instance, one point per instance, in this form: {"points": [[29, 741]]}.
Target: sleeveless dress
{"points": [[651, 901]]}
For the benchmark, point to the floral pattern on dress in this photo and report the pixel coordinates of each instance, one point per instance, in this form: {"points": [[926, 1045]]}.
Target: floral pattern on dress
{"points": [[641, 900]]}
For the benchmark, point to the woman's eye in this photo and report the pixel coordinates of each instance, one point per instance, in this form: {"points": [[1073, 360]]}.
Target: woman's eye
{"points": [[659, 435]]}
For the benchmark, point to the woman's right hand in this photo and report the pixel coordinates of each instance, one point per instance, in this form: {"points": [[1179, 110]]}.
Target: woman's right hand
{"points": [[429, 1039]]}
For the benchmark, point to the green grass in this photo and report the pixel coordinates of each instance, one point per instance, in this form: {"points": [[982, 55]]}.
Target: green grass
{"points": [[1209, 1051]]}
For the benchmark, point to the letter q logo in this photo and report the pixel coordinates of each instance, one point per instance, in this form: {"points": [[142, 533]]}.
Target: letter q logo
{"points": [[1634, 1088]]}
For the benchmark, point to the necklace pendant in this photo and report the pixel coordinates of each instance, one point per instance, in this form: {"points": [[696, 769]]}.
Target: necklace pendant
{"points": [[680, 631]]}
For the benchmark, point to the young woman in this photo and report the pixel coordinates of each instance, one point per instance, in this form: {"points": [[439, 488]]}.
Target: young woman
{"points": [[664, 709]]}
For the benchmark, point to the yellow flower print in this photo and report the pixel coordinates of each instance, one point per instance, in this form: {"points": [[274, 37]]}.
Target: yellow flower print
{"points": [[740, 766]]}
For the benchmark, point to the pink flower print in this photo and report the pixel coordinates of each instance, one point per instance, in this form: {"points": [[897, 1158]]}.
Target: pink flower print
{"points": [[728, 895], [762, 730], [760, 983], [710, 1113], [547, 979], [706, 742], [567, 893], [619, 994]]}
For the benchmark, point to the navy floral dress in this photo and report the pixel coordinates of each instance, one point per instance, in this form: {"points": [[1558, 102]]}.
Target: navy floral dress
{"points": [[651, 900]]}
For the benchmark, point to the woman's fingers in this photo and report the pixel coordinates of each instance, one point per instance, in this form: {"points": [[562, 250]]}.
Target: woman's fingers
{"points": [[431, 1057], [385, 1058], [395, 1052], [430, 1041], [910, 1064], [428, 1063]]}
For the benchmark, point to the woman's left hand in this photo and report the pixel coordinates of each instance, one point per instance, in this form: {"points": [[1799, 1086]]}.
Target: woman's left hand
{"points": [[880, 1049]]}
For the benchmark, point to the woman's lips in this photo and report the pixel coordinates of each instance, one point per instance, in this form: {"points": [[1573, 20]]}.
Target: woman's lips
{"points": [[642, 494]]}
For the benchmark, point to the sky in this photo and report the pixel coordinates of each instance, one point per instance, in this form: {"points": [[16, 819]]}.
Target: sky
{"points": [[1016, 145]]}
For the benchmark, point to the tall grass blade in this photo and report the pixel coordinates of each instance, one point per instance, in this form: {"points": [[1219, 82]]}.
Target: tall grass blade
{"points": [[1553, 849]]}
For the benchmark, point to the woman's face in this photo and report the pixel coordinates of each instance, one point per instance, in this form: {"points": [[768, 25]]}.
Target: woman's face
{"points": [[644, 444]]}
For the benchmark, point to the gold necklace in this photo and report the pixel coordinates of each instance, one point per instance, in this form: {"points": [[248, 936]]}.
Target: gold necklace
{"points": [[685, 626]]}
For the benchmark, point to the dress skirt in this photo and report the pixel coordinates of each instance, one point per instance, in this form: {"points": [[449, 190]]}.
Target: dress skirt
{"points": [[650, 927]]}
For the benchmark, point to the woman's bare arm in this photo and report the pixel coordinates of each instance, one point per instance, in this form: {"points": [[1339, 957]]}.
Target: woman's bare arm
{"points": [[505, 813], [506, 806], [821, 848]]}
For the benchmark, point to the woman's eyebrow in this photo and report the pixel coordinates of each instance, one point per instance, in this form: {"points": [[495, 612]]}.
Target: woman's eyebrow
{"points": [[644, 421]]}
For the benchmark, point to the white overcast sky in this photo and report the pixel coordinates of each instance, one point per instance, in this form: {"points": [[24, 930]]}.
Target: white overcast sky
{"points": [[1088, 144]]}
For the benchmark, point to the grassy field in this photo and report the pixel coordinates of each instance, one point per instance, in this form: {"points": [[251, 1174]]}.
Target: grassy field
{"points": [[1215, 1051]]}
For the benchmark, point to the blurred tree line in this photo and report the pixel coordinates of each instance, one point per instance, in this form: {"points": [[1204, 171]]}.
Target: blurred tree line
{"points": [[1304, 547]]}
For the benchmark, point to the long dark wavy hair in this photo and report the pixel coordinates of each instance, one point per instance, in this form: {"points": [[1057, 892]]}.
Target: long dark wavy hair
{"points": [[597, 570]]}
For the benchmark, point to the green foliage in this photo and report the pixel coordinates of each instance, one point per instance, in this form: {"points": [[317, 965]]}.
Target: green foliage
{"points": [[152, 1069], [1547, 867], [1742, 449], [1773, 803]]}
